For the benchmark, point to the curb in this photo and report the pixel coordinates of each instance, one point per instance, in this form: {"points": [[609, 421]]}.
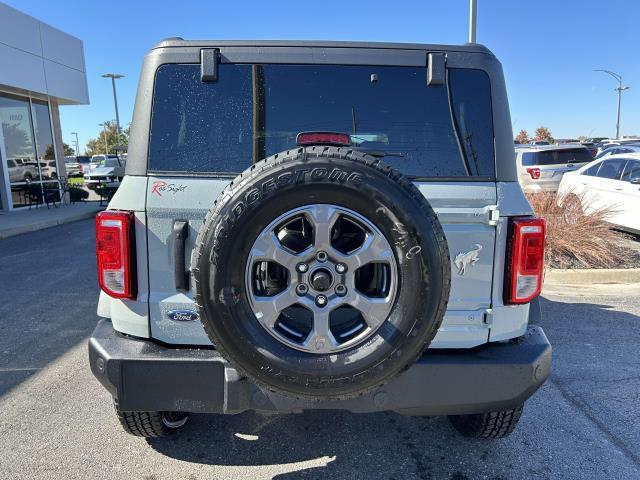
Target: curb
{"points": [[589, 276], [12, 232]]}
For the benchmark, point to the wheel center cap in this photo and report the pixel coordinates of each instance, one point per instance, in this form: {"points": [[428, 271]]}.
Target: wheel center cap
{"points": [[321, 280]]}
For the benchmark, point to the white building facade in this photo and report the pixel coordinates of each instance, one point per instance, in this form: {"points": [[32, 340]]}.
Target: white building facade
{"points": [[41, 68]]}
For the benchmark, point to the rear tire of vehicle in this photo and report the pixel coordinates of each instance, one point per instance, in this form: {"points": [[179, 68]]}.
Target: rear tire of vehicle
{"points": [[489, 425], [150, 424]]}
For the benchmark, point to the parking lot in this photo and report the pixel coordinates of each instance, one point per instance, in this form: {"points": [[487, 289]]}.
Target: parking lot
{"points": [[57, 421]]}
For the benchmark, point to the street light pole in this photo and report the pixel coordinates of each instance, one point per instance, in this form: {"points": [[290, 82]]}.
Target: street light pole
{"points": [[114, 77], [77, 143], [619, 89], [473, 18]]}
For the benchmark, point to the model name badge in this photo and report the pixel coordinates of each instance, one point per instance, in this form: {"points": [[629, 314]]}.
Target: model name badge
{"points": [[183, 315]]}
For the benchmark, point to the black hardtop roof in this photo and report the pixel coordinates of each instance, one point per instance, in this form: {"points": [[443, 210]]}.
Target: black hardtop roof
{"points": [[180, 42]]}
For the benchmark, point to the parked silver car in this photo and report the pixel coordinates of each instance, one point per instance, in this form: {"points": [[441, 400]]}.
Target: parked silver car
{"points": [[540, 168], [108, 172]]}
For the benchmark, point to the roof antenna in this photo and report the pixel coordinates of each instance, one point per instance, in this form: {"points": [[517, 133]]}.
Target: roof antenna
{"points": [[473, 18]]}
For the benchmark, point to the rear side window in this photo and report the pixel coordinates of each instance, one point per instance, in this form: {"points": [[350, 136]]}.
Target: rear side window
{"points": [[611, 168], [253, 111], [556, 157]]}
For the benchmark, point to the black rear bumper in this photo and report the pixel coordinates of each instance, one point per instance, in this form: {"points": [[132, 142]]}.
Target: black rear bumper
{"points": [[146, 376]]}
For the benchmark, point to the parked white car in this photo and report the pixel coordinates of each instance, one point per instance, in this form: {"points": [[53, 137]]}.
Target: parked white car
{"points": [[610, 182], [540, 168]]}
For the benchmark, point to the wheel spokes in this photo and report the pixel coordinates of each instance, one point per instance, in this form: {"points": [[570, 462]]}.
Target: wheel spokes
{"points": [[321, 339], [375, 248], [374, 310], [268, 309], [268, 247], [322, 217]]}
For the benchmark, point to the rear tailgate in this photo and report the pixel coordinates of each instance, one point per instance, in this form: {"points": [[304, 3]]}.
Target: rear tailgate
{"points": [[464, 209]]}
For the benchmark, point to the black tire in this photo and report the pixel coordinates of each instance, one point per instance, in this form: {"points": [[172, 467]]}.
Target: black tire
{"points": [[490, 425], [343, 177], [150, 424]]}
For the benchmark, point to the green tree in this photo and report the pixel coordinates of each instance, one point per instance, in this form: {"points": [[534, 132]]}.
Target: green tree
{"points": [[96, 146], [543, 133], [522, 137], [68, 151]]}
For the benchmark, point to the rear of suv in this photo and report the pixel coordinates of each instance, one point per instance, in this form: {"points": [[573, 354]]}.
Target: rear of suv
{"points": [[540, 168], [320, 225]]}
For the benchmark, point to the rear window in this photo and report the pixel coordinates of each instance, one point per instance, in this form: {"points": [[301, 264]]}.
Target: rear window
{"points": [[253, 111], [554, 157]]}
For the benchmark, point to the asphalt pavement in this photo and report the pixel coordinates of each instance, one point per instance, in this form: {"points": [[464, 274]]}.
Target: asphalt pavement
{"points": [[56, 421]]}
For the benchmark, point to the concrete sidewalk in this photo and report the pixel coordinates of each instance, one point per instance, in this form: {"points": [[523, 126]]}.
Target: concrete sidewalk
{"points": [[21, 221]]}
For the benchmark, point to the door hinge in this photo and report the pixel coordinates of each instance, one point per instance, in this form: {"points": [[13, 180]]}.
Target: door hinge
{"points": [[494, 215]]}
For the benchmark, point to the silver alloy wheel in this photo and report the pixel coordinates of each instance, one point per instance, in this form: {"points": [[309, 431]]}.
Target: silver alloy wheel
{"points": [[347, 290]]}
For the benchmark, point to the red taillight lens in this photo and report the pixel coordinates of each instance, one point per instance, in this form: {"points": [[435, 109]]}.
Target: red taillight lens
{"points": [[526, 265], [534, 172], [115, 250], [323, 138], [80, 168]]}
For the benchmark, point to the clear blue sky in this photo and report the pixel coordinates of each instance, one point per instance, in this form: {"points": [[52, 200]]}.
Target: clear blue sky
{"points": [[548, 48]]}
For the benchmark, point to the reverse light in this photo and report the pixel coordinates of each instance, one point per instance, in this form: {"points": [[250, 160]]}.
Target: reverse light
{"points": [[115, 251], [534, 172], [526, 263], [323, 138]]}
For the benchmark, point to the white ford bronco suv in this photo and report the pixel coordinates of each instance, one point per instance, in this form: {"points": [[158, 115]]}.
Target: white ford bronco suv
{"points": [[320, 225]]}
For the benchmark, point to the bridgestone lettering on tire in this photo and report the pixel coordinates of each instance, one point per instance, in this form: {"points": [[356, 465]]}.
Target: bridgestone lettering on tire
{"points": [[321, 273]]}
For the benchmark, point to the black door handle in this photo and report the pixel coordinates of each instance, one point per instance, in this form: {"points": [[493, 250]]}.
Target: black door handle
{"points": [[180, 234]]}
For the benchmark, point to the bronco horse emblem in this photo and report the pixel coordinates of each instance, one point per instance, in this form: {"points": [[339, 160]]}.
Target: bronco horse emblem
{"points": [[463, 260]]}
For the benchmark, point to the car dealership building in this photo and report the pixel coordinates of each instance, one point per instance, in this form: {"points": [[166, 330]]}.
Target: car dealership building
{"points": [[41, 68]]}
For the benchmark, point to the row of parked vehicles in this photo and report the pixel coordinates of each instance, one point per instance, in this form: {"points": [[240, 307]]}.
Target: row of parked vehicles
{"points": [[97, 170], [610, 180]]}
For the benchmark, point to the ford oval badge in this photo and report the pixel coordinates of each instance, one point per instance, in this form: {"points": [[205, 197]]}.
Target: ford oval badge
{"points": [[183, 315]]}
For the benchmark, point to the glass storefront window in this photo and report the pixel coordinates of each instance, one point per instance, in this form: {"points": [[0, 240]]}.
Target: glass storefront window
{"points": [[44, 139], [30, 155]]}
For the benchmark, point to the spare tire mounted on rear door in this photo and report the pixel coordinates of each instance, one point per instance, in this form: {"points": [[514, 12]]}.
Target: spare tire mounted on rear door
{"points": [[321, 273]]}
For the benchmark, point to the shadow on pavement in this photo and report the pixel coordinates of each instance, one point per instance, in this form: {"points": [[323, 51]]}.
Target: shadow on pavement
{"points": [[48, 298], [350, 445]]}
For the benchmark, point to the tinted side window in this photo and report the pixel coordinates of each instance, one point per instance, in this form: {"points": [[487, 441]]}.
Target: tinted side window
{"points": [[611, 168], [631, 170], [254, 111], [592, 171]]}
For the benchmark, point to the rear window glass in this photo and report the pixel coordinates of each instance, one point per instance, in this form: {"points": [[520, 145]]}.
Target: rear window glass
{"points": [[554, 157], [253, 111]]}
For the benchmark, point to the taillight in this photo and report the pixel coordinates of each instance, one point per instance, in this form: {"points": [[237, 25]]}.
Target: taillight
{"points": [[526, 263], [115, 250], [80, 168], [534, 172], [323, 138]]}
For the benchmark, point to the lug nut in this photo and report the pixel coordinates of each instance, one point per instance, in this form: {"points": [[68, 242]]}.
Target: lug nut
{"points": [[302, 289], [321, 300], [302, 267], [341, 268], [321, 256], [341, 290]]}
